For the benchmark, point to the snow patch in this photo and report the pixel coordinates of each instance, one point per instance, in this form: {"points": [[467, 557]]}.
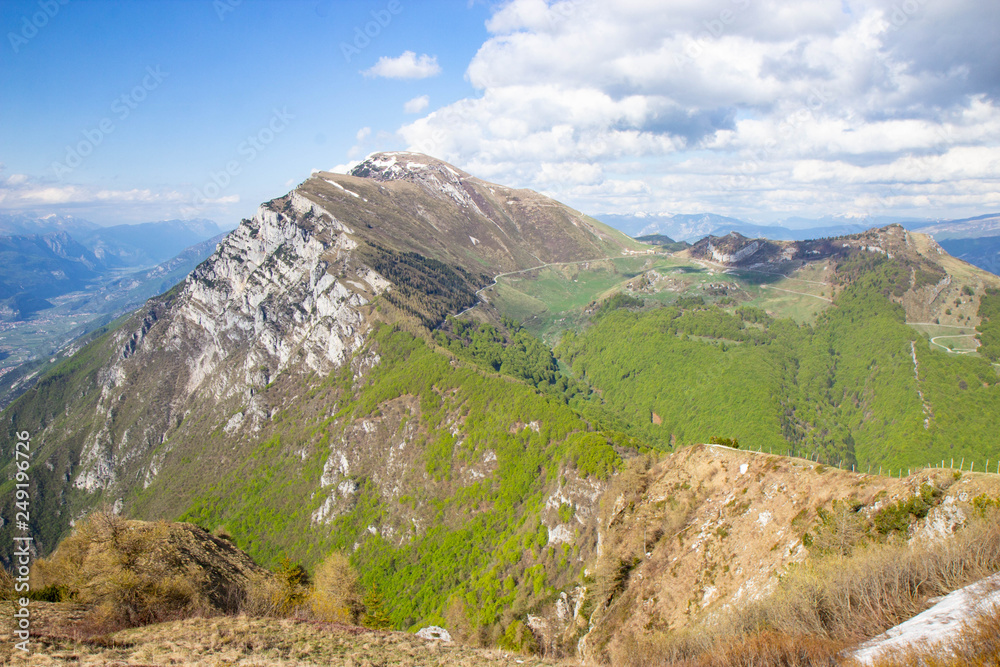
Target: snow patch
{"points": [[939, 623], [338, 185]]}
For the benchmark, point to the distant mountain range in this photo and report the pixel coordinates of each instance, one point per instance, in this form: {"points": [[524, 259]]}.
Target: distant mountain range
{"points": [[974, 240]]}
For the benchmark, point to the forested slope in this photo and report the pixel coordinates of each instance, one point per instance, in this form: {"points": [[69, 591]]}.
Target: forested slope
{"points": [[859, 388]]}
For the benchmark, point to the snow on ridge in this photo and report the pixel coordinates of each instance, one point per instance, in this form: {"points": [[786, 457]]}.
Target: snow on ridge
{"points": [[335, 183], [938, 624]]}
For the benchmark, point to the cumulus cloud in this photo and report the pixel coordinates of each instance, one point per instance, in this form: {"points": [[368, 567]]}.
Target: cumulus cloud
{"points": [[406, 66], [745, 108], [417, 104]]}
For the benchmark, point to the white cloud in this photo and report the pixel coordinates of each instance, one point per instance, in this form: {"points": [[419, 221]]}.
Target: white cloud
{"points": [[417, 104], [406, 66], [360, 141], [742, 107], [45, 197], [342, 168]]}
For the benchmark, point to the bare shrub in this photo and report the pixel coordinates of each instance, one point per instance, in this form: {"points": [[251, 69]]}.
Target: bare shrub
{"points": [[693, 649], [877, 587], [126, 572], [263, 597], [456, 618], [773, 649], [820, 609], [335, 594], [7, 591]]}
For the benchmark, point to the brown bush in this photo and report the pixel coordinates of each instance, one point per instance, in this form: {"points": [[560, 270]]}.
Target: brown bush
{"points": [[7, 591], [766, 649], [773, 649], [335, 594], [264, 597], [132, 572], [877, 587], [820, 609], [126, 572]]}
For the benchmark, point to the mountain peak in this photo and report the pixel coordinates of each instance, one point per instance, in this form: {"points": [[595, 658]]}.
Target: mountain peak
{"points": [[403, 165]]}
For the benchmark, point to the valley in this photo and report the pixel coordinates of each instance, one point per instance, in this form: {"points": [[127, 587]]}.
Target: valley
{"points": [[496, 410], [64, 278]]}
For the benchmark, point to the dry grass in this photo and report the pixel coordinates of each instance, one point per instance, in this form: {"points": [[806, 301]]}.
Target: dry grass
{"points": [[237, 641], [132, 573], [820, 610], [878, 586]]}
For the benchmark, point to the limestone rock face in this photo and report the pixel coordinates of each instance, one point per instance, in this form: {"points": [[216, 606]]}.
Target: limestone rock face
{"points": [[265, 302]]}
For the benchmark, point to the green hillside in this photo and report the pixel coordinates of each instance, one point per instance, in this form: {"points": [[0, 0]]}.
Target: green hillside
{"points": [[858, 388], [482, 547], [485, 544]]}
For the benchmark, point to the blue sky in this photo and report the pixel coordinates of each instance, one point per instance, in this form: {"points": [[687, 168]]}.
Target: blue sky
{"points": [[220, 72], [761, 109]]}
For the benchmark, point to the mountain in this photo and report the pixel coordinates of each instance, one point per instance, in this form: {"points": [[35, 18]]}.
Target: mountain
{"points": [[712, 548], [693, 227], [146, 244], [662, 241], [683, 227], [365, 367], [975, 240], [289, 389], [723, 362], [983, 252], [967, 228], [22, 224], [76, 276], [38, 267]]}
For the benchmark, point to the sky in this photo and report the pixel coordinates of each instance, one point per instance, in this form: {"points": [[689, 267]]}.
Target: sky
{"points": [[122, 112]]}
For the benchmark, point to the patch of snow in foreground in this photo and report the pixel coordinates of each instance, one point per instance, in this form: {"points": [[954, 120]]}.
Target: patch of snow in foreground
{"points": [[939, 623]]}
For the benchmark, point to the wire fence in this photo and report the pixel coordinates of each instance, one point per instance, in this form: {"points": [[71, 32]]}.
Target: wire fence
{"points": [[990, 466]]}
